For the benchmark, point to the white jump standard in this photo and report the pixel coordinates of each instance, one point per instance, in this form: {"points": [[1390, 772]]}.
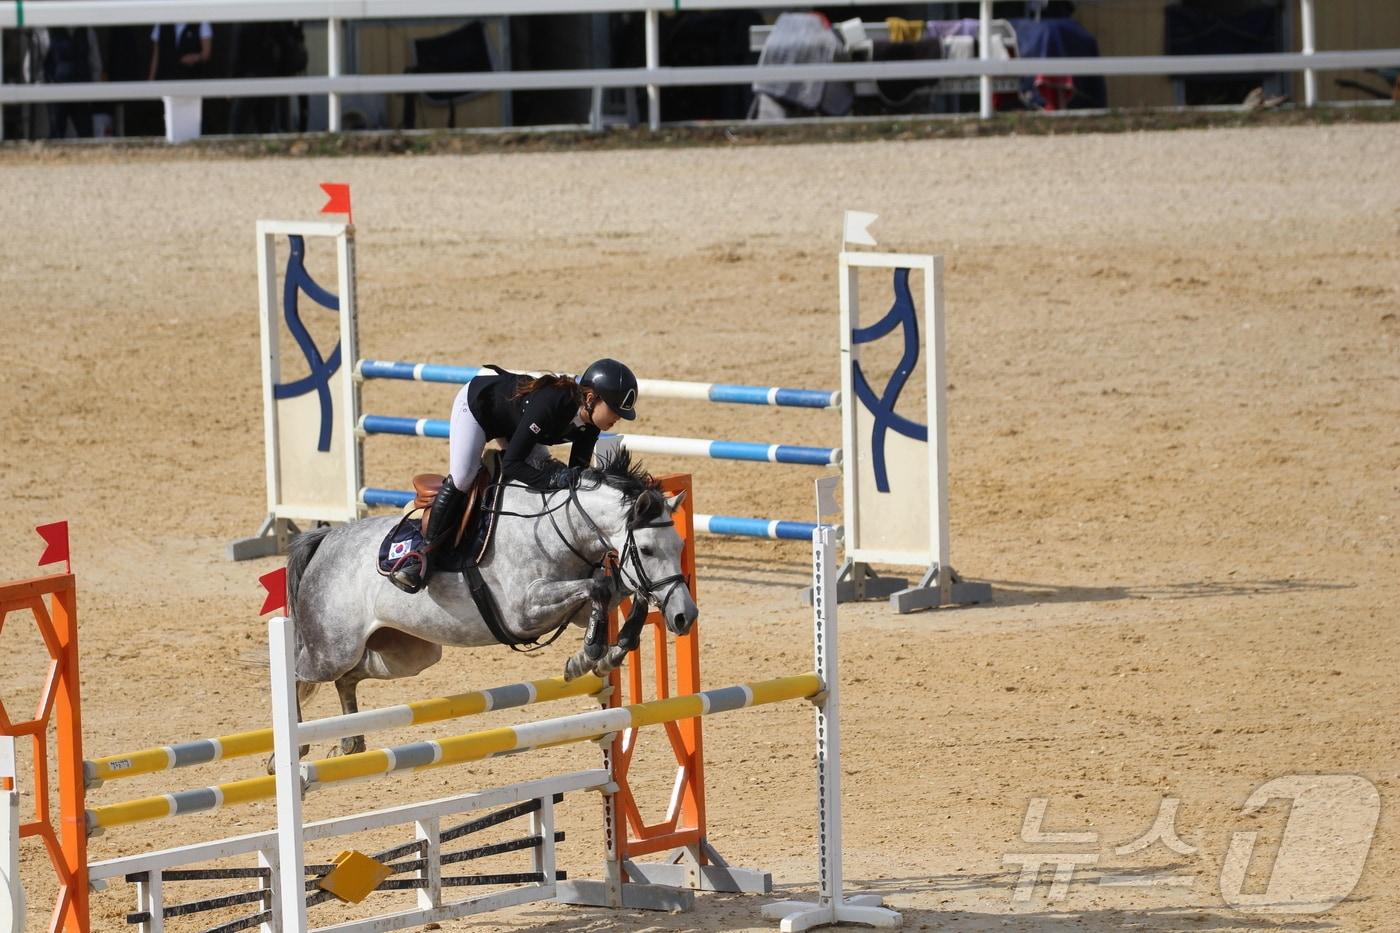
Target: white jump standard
{"points": [[895, 466]]}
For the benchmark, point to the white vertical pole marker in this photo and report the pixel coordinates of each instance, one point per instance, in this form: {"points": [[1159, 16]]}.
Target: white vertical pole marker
{"points": [[333, 55], [11, 885], [653, 39], [271, 881], [271, 362], [828, 511], [542, 825], [349, 354], [937, 422], [430, 832], [1309, 47], [290, 857], [984, 52], [150, 897], [832, 906]]}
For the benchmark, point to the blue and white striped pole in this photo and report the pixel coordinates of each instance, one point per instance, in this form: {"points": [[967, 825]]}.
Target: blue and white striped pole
{"points": [[780, 396], [704, 524], [639, 443]]}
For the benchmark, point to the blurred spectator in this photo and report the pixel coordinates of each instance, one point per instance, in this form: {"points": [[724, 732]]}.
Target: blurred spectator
{"points": [[179, 51], [64, 56], [266, 50]]}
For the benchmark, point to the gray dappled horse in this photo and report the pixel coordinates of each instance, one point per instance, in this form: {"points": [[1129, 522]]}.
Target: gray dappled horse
{"points": [[543, 568]]}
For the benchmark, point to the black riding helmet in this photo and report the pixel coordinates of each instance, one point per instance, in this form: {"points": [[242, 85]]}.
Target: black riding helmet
{"points": [[614, 384]]}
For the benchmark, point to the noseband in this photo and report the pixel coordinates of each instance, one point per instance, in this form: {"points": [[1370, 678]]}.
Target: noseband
{"points": [[641, 584]]}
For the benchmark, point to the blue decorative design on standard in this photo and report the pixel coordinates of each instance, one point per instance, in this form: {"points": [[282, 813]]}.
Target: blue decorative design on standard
{"points": [[901, 313], [297, 279]]}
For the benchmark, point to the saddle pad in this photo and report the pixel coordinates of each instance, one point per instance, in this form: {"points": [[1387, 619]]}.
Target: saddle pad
{"points": [[406, 537]]}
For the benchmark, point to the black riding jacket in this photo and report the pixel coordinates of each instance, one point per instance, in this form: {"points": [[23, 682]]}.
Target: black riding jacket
{"points": [[546, 416]]}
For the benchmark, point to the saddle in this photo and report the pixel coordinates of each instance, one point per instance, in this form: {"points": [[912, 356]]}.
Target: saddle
{"points": [[426, 487], [469, 542]]}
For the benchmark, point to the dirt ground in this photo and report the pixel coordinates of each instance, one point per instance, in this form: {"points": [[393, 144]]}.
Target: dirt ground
{"points": [[1173, 406]]}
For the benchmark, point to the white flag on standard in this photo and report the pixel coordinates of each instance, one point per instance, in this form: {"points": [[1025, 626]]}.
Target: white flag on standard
{"points": [[856, 229]]}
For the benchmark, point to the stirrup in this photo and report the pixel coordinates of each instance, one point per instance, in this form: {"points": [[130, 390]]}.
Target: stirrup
{"points": [[409, 575]]}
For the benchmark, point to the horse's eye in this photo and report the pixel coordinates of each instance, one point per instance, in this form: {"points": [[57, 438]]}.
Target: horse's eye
{"points": [[647, 550]]}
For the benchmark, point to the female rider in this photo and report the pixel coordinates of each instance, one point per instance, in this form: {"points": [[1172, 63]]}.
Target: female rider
{"points": [[526, 412]]}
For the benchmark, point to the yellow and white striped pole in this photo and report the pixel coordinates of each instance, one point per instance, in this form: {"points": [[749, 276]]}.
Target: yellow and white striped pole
{"points": [[259, 741], [472, 746]]}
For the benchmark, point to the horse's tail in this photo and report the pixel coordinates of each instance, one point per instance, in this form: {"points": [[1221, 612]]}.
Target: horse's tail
{"points": [[302, 549]]}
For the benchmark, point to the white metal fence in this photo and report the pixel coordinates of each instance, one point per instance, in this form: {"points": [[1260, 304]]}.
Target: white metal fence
{"points": [[335, 83]]}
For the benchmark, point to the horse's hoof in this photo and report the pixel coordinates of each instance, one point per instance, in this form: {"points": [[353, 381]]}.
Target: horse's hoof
{"points": [[574, 668]]}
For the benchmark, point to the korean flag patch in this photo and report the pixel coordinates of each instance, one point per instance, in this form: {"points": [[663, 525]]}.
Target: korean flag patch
{"points": [[398, 549], [534, 428]]}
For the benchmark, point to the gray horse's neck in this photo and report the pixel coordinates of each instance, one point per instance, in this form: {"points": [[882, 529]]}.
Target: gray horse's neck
{"points": [[594, 522]]}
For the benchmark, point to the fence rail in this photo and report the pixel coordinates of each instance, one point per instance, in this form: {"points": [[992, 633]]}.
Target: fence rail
{"points": [[683, 77], [653, 77]]}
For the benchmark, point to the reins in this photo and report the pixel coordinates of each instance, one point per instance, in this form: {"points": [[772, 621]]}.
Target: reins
{"points": [[628, 562]]}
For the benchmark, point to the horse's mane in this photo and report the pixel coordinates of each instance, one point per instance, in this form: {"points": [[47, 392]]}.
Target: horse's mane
{"points": [[622, 474]]}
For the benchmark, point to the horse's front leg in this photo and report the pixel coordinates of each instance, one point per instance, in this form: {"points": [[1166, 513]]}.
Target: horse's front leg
{"points": [[547, 603], [629, 637], [595, 640]]}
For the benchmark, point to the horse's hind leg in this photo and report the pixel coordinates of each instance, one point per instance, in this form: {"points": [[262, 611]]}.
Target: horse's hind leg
{"points": [[345, 687]]}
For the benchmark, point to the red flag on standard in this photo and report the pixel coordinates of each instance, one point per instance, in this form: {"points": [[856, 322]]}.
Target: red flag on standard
{"points": [[276, 585], [337, 199], [55, 537]]}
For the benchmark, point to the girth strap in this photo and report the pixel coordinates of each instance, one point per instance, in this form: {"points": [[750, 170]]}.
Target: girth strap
{"points": [[491, 614]]}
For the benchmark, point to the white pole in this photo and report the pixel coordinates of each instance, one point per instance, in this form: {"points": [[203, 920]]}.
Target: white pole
{"points": [[333, 56], [938, 430], [984, 52], [429, 831], [1309, 47], [291, 874], [832, 905], [653, 31], [828, 722], [150, 897], [11, 886], [2, 107], [350, 410]]}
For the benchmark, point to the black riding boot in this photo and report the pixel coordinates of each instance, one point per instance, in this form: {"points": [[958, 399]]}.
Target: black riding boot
{"points": [[443, 517]]}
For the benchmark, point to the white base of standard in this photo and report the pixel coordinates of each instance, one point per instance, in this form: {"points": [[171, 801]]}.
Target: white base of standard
{"points": [[858, 908]]}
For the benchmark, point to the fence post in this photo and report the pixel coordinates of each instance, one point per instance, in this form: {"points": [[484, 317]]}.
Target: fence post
{"points": [[333, 62], [1309, 47], [653, 30], [984, 53]]}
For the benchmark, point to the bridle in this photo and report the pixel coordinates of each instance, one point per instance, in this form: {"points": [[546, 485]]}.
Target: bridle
{"points": [[628, 560]]}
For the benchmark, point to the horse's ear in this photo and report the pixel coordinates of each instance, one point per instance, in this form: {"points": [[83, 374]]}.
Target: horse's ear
{"points": [[675, 501], [647, 508]]}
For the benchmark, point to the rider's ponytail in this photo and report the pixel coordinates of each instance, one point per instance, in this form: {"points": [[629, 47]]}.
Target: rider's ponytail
{"points": [[528, 385]]}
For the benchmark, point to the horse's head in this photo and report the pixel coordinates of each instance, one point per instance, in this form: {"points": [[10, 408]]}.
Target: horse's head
{"points": [[651, 562], [650, 550]]}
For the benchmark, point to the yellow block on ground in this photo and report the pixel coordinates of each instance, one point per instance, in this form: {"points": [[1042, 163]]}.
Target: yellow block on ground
{"points": [[354, 876]]}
